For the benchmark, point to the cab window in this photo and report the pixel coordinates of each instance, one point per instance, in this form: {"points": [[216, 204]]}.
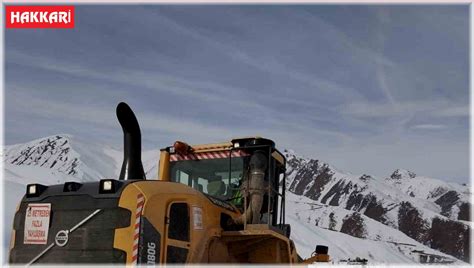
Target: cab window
{"points": [[210, 176]]}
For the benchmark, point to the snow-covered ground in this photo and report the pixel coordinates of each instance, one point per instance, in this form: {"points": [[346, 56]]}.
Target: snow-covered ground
{"points": [[381, 245]]}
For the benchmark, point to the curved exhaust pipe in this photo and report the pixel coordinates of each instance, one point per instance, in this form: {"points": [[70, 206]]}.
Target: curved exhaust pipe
{"points": [[132, 168]]}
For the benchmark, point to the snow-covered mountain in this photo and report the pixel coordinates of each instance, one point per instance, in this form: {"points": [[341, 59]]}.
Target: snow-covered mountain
{"points": [[392, 220], [453, 199], [64, 154], [430, 211]]}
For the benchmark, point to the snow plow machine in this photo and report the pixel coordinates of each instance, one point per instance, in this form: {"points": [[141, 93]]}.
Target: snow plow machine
{"points": [[213, 203]]}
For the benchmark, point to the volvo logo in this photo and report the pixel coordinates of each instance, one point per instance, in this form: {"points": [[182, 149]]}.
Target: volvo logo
{"points": [[61, 238]]}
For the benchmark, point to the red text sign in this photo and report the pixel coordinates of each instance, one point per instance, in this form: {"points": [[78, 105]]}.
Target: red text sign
{"points": [[39, 16], [37, 223]]}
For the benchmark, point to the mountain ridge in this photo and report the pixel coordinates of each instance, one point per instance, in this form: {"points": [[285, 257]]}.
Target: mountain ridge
{"points": [[399, 201]]}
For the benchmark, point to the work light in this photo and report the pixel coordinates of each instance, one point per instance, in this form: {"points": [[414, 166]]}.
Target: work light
{"points": [[35, 190], [109, 186], [32, 189]]}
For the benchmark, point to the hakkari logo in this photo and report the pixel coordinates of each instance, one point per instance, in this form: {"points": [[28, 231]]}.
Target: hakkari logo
{"points": [[39, 17]]}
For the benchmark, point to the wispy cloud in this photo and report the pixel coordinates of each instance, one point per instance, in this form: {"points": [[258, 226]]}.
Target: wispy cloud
{"points": [[384, 17], [364, 92], [429, 126], [462, 111], [435, 108]]}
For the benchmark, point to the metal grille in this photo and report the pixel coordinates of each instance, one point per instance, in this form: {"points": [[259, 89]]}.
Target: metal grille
{"points": [[91, 243]]}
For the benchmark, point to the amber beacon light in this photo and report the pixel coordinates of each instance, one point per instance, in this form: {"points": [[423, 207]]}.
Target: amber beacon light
{"points": [[182, 147]]}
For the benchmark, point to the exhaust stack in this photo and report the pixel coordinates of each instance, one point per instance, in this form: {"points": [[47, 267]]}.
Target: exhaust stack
{"points": [[254, 187], [132, 168]]}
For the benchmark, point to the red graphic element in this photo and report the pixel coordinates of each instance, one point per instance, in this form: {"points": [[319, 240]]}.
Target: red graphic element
{"points": [[207, 155], [138, 215], [39, 17]]}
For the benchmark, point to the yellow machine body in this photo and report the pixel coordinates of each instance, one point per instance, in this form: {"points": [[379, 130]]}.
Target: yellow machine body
{"points": [[207, 242]]}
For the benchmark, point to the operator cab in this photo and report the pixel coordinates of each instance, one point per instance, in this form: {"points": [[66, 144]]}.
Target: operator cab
{"points": [[225, 171]]}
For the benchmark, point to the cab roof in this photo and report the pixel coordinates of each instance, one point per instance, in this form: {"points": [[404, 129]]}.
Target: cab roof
{"points": [[239, 142]]}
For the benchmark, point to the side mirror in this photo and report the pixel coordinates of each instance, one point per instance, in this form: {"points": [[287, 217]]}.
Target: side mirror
{"points": [[321, 253], [321, 249]]}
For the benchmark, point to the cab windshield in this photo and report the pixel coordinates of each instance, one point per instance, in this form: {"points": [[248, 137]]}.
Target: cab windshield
{"points": [[211, 176]]}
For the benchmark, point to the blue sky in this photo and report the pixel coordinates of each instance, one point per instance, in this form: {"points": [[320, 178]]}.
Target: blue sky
{"points": [[367, 89]]}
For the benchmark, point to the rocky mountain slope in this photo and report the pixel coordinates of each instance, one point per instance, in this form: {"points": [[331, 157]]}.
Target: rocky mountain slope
{"points": [[432, 212], [63, 154], [67, 155], [397, 219]]}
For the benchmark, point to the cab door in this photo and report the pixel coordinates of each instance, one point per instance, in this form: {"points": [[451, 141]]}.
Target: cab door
{"points": [[178, 235]]}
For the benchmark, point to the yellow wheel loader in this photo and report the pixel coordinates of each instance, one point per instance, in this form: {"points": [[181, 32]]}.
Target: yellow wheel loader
{"points": [[211, 203]]}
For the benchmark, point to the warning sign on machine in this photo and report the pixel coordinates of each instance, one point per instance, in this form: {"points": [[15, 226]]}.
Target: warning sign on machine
{"points": [[37, 223]]}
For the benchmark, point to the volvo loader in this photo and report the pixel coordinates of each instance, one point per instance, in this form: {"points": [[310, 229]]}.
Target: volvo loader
{"points": [[211, 203]]}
